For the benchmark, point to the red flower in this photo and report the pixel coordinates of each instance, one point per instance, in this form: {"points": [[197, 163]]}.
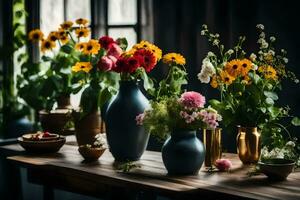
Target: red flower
{"points": [[127, 65], [146, 59], [106, 42]]}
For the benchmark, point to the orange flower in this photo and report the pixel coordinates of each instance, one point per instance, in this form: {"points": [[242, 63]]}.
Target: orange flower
{"points": [[226, 78], [246, 66], [82, 32], [91, 47], [35, 35], [66, 25], [233, 68]]}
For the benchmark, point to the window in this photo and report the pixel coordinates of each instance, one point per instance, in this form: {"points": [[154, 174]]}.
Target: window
{"points": [[64, 10], [123, 20]]}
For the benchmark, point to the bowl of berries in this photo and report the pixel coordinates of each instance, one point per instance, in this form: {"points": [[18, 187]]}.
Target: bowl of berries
{"points": [[42, 142]]}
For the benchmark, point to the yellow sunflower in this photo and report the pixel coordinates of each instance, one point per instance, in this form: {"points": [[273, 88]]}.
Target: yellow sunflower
{"points": [[82, 66], [35, 35], [269, 72], [53, 36], [129, 53], [47, 45], [246, 66], [173, 58], [64, 39], [246, 80], [214, 82], [233, 68], [226, 78], [80, 46], [91, 47], [156, 51], [82, 32], [81, 21], [61, 33], [66, 25], [142, 45]]}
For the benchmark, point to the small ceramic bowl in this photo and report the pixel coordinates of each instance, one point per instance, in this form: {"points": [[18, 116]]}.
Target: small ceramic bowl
{"points": [[42, 146], [90, 153], [277, 169]]}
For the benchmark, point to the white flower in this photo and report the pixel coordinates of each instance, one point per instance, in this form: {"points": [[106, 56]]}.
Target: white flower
{"points": [[272, 39], [207, 67], [215, 42], [264, 44], [230, 51], [260, 26], [285, 60], [204, 26], [276, 153], [271, 52], [262, 35], [202, 32], [217, 35], [210, 54], [253, 57], [290, 144], [204, 78], [100, 140]]}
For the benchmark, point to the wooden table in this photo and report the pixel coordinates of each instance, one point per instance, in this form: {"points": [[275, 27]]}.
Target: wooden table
{"points": [[66, 170]]}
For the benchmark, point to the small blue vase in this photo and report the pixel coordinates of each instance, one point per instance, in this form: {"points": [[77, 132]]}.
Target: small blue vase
{"points": [[127, 141], [183, 153]]}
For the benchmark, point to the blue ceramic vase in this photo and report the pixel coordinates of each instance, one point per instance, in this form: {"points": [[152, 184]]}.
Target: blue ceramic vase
{"points": [[183, 153], [127, 141]]}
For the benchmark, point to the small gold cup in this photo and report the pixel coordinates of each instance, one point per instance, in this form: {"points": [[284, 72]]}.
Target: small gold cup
{"points": [[213, 146], [248, 144]]}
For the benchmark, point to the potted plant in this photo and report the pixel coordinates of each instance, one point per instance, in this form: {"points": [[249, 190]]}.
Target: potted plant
{"points": [[98, 81], [49, 81], [248, 85], [182, 152]]}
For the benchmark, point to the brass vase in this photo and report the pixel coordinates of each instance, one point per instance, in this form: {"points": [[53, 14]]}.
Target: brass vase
{"points": [[248, 144], [213, 146]]}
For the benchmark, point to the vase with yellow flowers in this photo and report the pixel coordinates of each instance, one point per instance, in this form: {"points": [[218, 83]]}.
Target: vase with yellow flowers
{"points": [[49, 81], [248, 85]]}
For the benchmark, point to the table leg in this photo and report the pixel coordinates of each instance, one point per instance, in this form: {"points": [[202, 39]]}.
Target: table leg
{"points": [[48, 192]]}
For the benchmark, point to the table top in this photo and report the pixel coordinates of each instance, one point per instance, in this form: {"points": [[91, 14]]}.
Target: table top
{"points": [[152, 176]]}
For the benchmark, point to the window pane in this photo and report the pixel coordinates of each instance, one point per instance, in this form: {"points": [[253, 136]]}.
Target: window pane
{"points": [[52, 15], [122, 12], [128, 33], [78, 9]]}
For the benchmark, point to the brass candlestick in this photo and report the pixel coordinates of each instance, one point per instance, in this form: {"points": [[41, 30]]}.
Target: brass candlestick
{"points": [[213, 146], [248, 144]]}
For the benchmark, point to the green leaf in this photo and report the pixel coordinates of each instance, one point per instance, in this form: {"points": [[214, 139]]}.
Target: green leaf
{"points": [[148, 83], [296, 121], [254, 77], [269, 101], [122, 42], [271, 95], [66, 49]]}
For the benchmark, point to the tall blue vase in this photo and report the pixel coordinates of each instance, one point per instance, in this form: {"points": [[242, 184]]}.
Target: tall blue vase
{"points": [[183, 153], [127, 141]]}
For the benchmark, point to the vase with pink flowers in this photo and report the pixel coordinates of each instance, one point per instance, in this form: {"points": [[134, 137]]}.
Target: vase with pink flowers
{"points": [[178, 118]]}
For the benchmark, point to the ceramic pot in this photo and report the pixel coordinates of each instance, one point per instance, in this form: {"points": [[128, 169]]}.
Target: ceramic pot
{"points": [[127, 141], [54, 121], [87, 127], [183, 153], [64, 102]]}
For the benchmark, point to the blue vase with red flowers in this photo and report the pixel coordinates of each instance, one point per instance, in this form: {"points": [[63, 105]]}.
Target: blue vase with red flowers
{"points": [[127, 141]]}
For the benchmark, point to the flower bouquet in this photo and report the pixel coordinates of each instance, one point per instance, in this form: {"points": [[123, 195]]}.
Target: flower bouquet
{"points": [[248, 85], [182, 153]]}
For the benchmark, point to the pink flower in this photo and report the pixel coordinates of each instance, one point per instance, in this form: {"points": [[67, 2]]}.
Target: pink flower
{"points": [[114, 50], [107, 63], [139, 119], [223, 164], [192, 100]]}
